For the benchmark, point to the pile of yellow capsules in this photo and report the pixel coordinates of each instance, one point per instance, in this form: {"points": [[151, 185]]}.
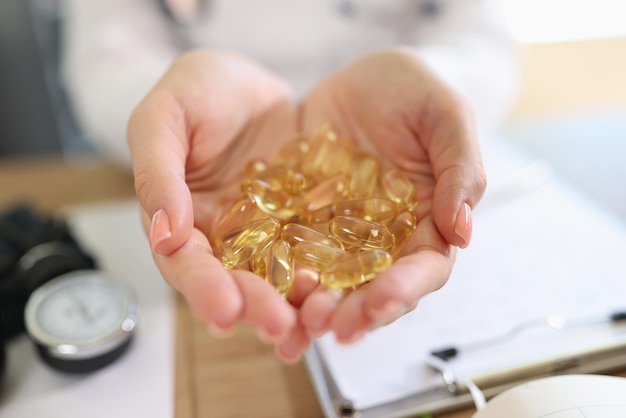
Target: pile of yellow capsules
{"points": [[322, 204]]}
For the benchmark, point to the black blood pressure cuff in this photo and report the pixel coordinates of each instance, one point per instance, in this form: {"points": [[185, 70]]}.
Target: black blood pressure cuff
{"points": [[34, 248]]}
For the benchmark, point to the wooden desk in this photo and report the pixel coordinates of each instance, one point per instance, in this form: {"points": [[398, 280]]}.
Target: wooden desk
{"points": [[240, 376]]}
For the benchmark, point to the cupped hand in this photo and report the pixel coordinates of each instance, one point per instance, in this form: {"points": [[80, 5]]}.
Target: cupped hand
{"points": [[396, 109], [190, 139]]}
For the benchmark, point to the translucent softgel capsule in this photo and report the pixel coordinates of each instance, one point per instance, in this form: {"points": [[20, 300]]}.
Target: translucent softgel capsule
{"points": [[355, 269], [321, 146], [373, 209], [292, 152], [402, 226], [317, 255], [274, 202], [326, 193], [339, 159], [364, 177], [242, 212], [320, 203], [359, 233], [251, 239], [258, 262], [399, 188], [323, 214], [294, 233], [295, 182], [280, 271]]}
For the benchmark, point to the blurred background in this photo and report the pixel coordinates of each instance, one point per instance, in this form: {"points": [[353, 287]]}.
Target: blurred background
{"points": [[35, 117], [571, 108]]}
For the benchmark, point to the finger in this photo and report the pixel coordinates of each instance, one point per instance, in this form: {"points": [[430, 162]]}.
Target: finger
{"points": [[291, 350], [449, 132], [305, 282], [397, 290], [264, 308], [157, 142], [208, 288], [349, 321], [317, 311]]}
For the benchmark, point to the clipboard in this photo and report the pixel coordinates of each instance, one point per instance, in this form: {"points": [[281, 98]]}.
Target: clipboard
{"points": [[541, 291]]}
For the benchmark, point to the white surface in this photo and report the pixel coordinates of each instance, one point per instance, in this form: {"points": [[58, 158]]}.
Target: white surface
{"points": [[141, 382], [537, 21], [574, 396], [539, 249]]}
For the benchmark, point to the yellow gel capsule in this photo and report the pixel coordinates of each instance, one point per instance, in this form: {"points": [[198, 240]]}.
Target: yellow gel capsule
{"points": [[242, 212], [251, 239], [254, 167], [322, 144], [258, 262], [326, 193], [337, 158], [292, 152], [280, 267], [373, 209], [402, 227], [354, 232], [399, 188], [322, 227], [273, 202], [271, 176], [295, 182], [364, 177], [294, 233], [323, 214], [355, 269], [316, 254]]}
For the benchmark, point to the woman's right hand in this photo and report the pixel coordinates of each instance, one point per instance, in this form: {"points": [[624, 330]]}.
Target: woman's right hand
{"points": [[190, 139]]}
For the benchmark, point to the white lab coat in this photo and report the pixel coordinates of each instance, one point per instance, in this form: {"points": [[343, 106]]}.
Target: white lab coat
{"points": [[116, 50]]}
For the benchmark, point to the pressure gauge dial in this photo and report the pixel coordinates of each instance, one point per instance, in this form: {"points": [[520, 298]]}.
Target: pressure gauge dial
{"points": [[81, 321]]}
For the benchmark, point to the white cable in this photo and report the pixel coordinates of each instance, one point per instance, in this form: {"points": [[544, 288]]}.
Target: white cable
{"points": [[477, 395], [453, 381]]}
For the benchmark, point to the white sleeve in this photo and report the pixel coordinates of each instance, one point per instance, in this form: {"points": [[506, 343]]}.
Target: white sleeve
{"points": [[113, 52], [469, 46]]}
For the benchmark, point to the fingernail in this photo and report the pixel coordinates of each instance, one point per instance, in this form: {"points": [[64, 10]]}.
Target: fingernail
{"points": [[288, 357], [316, 329], [351, 339], [391, 308], [463, 224], [160, 230]]}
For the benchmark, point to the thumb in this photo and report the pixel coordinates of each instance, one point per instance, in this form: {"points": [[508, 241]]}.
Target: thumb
{"points": [[457, 192], [156, 138], [459, 172]]}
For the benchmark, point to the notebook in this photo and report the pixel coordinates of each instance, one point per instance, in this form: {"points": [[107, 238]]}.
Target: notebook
{"points": [[541, 290]]}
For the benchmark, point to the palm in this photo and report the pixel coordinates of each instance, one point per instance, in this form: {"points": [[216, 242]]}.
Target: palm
{"points": [[396, 110], [190, 139], [224, 134], [377, 103]]}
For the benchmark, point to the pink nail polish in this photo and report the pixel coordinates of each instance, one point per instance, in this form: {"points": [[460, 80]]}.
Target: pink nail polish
{"points": [[463, 224], [160, 229]]}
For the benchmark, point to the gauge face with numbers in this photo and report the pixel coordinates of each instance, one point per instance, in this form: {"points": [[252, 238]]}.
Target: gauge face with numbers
{"points": [[81, 321]]}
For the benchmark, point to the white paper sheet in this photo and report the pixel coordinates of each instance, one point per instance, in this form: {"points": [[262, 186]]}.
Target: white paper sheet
{"points": [[539, 248], [141, 382]]}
